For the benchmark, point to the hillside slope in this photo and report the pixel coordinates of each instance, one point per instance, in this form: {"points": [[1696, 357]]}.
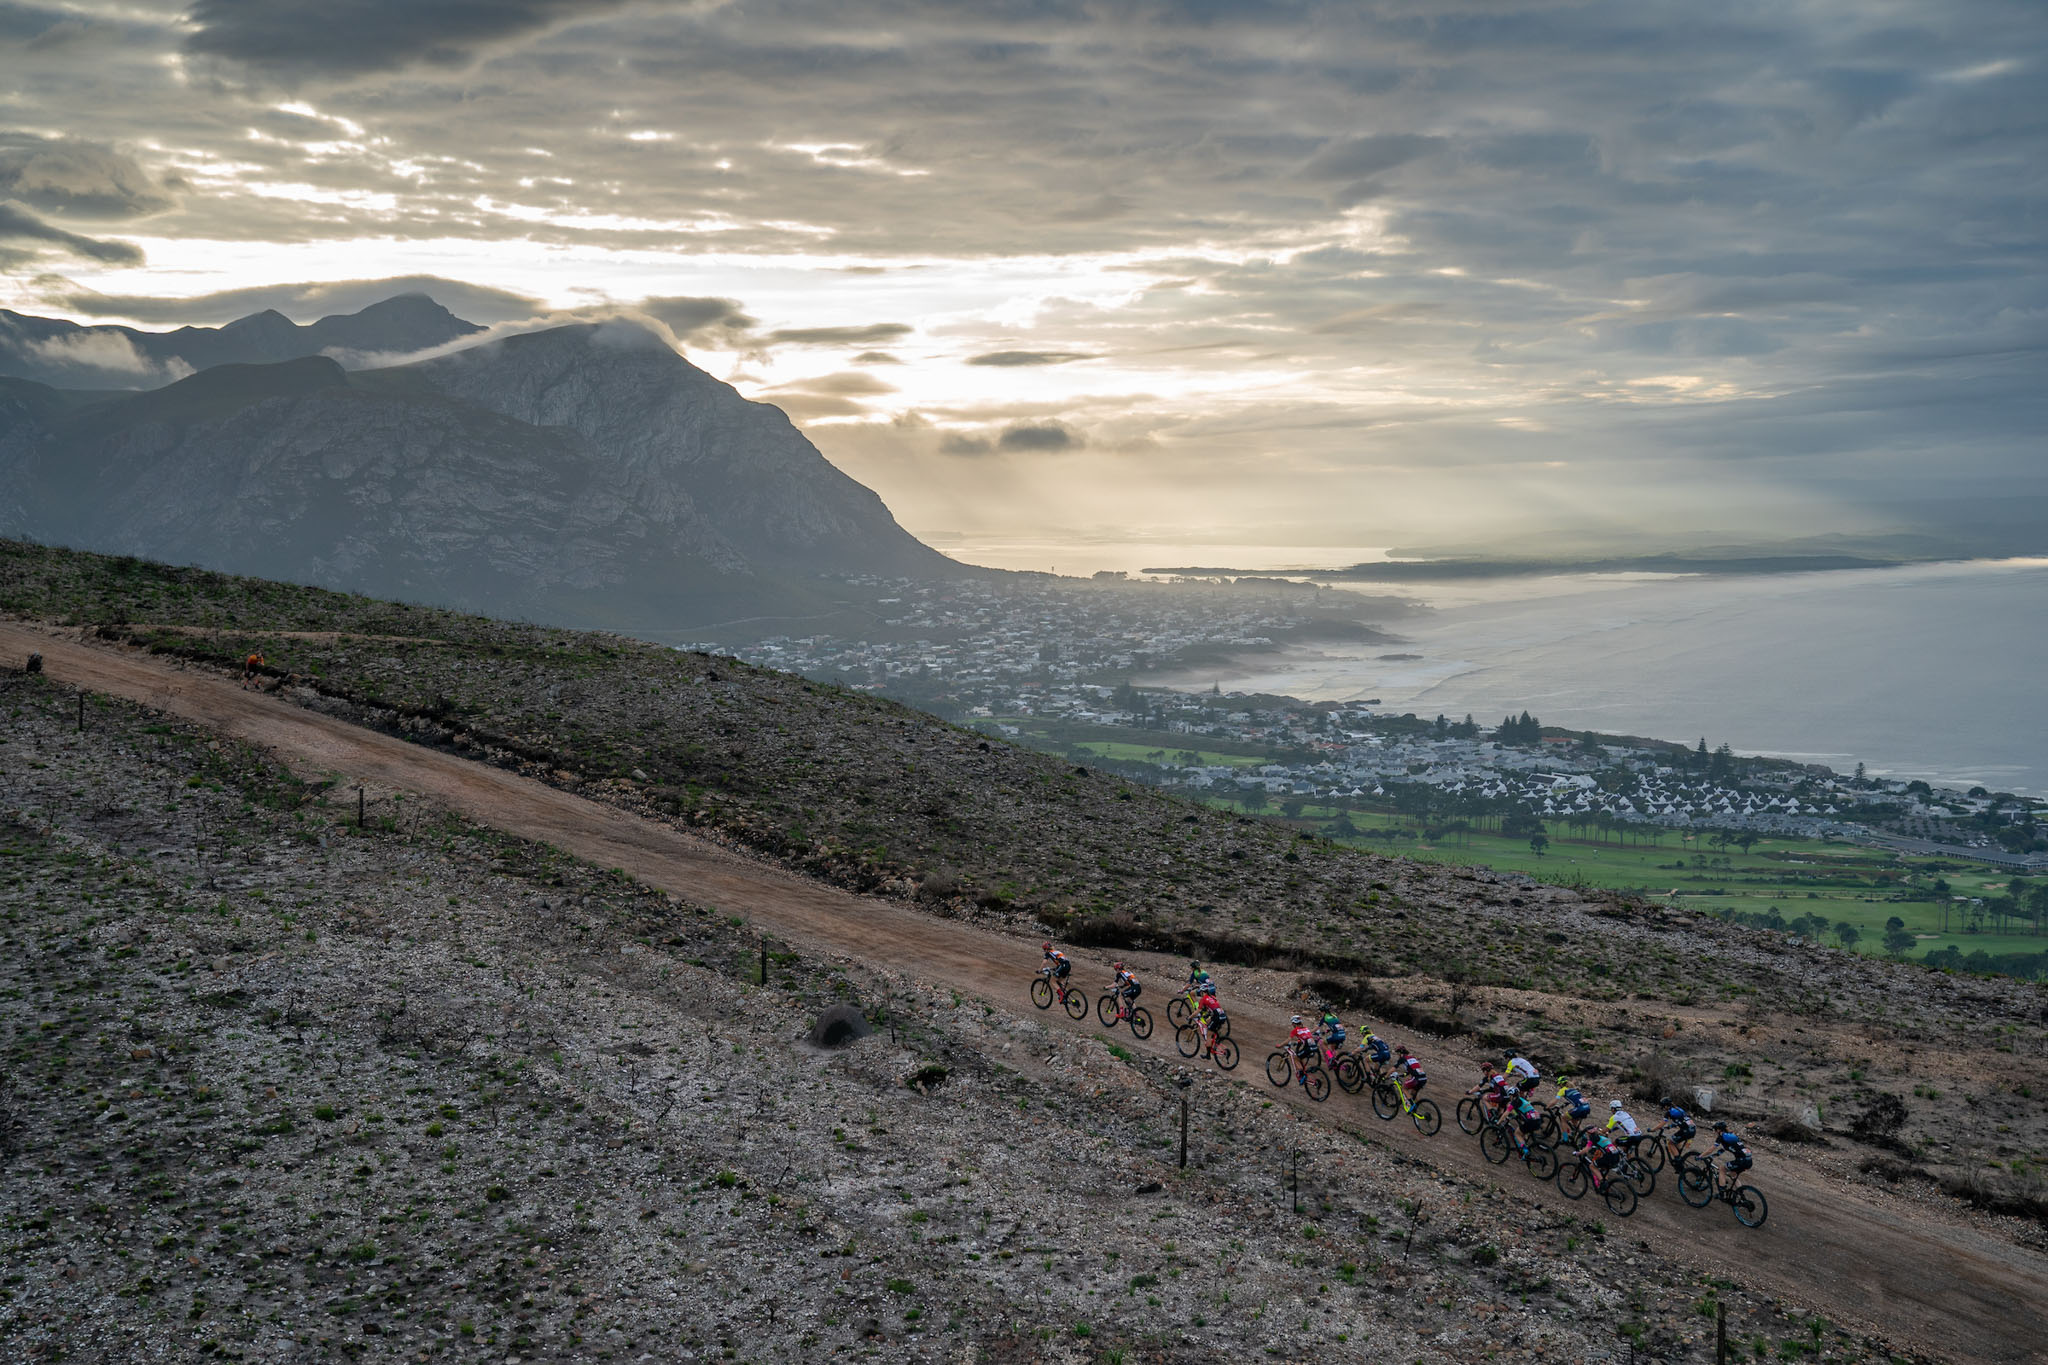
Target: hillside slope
{"points": [[875, 797]]}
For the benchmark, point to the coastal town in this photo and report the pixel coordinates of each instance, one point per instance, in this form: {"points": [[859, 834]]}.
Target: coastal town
{"points": [[1049, 663]]}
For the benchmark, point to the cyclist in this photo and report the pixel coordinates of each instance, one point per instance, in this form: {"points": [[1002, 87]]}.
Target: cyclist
{"points": [[250, 667], [1126, 988], [1727, 1140], [1198, 977], [1600, 1149], [1301, 1040], [1376, 1048], [1061, 968], [1576, 1110], [1209, 1018], [1618, 1117], [1413, 1077], [1678, 1127], [1527, 1116], [1333, 1032], [1522, 1074]]}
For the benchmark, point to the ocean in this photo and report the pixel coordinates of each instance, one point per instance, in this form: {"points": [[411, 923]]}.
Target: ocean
{"points": [[1937, 671]]}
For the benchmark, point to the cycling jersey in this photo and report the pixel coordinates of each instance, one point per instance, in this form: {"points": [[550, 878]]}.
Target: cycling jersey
{"points": [[1061, 967], [1378, 1049], [1127, 983], [1739, 1158], [1623, 1120], [1521, 1068]]}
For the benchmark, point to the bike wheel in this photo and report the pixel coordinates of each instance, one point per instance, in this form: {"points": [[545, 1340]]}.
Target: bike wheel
{"points": [[1651, 1154], [1542, 1162], [1386, 1101], [1428, 1118], [1550, 1132], [1641, 1178], [1468, 1116], [1696, 1187], [1141, 1022], [1105, 1010], [1749, 1205], [1277, 1069], [1077, 1005], [1041, 993], [1187, 1039], [1223, 1028], [1178, 1012], [1493, 1145], [1226, 1054], [1620, 1197], [1349, 1075], [1571, 1179], [1317, 1082]]}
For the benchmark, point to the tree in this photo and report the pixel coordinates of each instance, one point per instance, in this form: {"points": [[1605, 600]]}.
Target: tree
{"points": [[1254, 797], [1847, 934], [1897, 941], [1894, 924], [1538, 842]]}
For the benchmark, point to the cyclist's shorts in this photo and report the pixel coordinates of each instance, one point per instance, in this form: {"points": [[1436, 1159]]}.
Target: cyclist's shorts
{"points": [[1062, 970], [1741, 1164]]}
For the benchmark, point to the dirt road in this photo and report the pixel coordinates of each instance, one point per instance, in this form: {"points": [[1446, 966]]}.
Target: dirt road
{"points": [[1934, 1281]]}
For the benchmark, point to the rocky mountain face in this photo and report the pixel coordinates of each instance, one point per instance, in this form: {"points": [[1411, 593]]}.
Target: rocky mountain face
{"points": [[583, 475], [66, 354]]}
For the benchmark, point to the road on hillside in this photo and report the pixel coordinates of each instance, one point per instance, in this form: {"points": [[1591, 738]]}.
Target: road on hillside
{"points": [[1932, 1282]]}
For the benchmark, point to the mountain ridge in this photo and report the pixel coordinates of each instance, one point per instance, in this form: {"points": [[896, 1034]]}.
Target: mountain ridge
{"points": [[585, 474]]}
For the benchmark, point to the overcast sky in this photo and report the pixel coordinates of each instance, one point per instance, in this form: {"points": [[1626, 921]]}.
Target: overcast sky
{"points": [[1331, 274]]}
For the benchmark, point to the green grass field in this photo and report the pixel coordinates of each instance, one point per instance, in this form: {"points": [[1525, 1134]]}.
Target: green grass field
{"points": [[1863, 886], [1138, 753]]}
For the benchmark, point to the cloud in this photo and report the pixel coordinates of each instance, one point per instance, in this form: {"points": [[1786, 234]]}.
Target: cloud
{"points": [[843, 384], [957, 443], [1039, 438], [103, 356], [1359, 157], [301, 302], [709, 320], [1009, 358], [876, 358], [341, 38], [18, 224], [840, 336], [71, 176]]}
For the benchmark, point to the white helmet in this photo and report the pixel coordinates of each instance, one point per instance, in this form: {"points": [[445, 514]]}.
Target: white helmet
{"points": [[1614, 1105], [1295, 1020]]}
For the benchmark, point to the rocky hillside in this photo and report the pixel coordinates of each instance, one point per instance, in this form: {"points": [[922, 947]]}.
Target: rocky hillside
{"points": [[70, 355], [276, 1088], [587, 475]]}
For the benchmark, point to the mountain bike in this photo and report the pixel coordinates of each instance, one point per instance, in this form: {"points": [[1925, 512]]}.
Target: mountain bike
{"points": [[1048, 983], [1502, 1136], [1472, 1110], [1701, 1182], [1344, 1066], [1578, 1174], [1283, 1066], [1113, 1009], [1363, 1073], [1182, 1009], [1194, 1038], [1390, 1097], [1658, 1147], [1635, 1162]]}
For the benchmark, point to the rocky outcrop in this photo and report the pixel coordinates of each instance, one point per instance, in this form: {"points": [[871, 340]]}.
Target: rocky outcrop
{"points": [[584, 475]]}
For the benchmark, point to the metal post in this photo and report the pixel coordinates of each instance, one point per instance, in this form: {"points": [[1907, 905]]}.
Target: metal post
{"points": [[1294, 1182], [1720, 1333], [81, 710], [764, 959], [359, 807], [1183, 1130]]}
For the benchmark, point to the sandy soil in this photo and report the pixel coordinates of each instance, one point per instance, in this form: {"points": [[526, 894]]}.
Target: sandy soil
{"points": [[1911, 1270]]}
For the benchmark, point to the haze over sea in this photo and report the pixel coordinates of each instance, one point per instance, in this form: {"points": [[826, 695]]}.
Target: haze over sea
{"points": [[1929, 670]]}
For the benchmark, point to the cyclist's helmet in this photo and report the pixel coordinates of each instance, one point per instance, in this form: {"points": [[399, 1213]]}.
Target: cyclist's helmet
{"points": [[1720, 1126], [1615, 1105], [1295, 1020], [1046, 946]]}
